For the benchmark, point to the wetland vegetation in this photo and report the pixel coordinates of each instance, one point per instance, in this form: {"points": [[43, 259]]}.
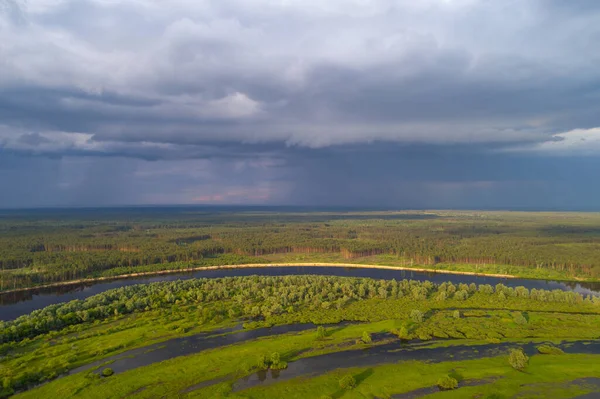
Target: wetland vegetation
{"points": [[303, 336], [54, 340]]}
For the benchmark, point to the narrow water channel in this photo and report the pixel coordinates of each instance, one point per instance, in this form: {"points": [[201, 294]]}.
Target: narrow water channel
{"points": [[394, 352], [183, 346]]}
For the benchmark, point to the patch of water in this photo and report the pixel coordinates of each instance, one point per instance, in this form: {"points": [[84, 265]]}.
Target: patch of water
{"points": [[395, 352]]}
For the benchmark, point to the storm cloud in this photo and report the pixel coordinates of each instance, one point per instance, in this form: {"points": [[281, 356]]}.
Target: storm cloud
{"points": [[432, 103]]}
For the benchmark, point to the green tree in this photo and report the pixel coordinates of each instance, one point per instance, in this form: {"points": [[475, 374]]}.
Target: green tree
{"points": [[275, 358], [519, 318], [447, 383], [321, 332], [416, 316], [518, 359], [402, 333], [366, 337], [107, 372]]}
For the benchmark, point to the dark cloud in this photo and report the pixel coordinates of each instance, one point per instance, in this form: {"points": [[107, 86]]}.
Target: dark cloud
{"points": [[389, 102]]}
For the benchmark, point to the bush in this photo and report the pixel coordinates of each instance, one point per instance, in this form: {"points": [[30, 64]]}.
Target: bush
{"points": [[262, 362], [519, 318], [547, 349], [447, 383], [416, 316], [456, 314], [347, 382], [273, 362], [279, 365], [402, 333], [321, 333], [366, 337], [107, 372], [275, 357], [518, 359], [423, 336]]}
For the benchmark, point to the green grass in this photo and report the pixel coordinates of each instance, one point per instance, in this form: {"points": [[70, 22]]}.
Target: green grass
{"points": [[542, 378], [172, 376], [77, 345], [181, 308]]}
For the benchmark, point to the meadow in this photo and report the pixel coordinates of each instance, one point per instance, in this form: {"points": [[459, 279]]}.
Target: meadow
{"points": [[359, 314]]}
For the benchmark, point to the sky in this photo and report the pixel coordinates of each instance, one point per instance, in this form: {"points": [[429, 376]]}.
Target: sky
{"points": [[370, 103]]}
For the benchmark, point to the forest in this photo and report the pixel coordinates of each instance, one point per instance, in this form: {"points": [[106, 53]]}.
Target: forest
{"points": [[58, 245]]}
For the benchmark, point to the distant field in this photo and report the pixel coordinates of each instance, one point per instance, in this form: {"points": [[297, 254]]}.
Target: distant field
{"points": [[43, 247]]}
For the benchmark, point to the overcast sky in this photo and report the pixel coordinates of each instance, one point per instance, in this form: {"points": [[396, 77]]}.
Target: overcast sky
{"points": [[399, 104]]}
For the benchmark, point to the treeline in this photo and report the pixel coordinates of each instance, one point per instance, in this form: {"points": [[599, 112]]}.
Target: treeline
{"points": [[257, 297], [45, 252]]}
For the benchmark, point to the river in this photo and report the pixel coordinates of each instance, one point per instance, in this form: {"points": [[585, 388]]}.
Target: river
{"points": [[15, 304]]}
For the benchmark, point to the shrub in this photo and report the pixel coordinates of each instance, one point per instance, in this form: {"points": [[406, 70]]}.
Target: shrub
{"points": [[518, 359], [461, 295], [275, 357], [416, 316], [279, 365], [107, 372], [347, 382], [321, 333], [447, 383], [366, 337], [262, 362], [402, 333], [547, 349], [519, 318], [456, 314]]}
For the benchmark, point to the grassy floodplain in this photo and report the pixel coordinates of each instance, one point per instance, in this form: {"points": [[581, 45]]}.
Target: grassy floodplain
{"points": [[61, 337]]}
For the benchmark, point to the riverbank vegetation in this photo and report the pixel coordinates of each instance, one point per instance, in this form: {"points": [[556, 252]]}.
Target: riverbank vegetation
{"points": [[55, 246], [40, 346]]}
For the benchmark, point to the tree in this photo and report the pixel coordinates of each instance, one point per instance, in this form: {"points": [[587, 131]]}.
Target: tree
{"points": [[519, 318], [275, 358], [107, 372], [347, 382], [262, 362], [366, 337], [518, 359], [402, 333], [456, 314], [416, 316], [321, 332], [447, 383]]}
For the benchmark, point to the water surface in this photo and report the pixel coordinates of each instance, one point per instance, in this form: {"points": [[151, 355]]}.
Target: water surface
{"points": [[13, 305]]}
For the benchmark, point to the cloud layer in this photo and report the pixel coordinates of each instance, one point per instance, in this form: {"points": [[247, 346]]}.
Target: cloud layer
{"points": [[281, 83]]}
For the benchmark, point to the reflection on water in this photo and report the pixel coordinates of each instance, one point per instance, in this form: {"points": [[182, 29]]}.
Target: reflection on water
{"points": [[591, 384], [417, 393], [189, 345], [395, 352], [13, 305]]}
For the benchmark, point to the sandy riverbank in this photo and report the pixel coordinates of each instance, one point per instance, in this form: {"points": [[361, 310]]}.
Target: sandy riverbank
{"points": [[253, 265]]}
